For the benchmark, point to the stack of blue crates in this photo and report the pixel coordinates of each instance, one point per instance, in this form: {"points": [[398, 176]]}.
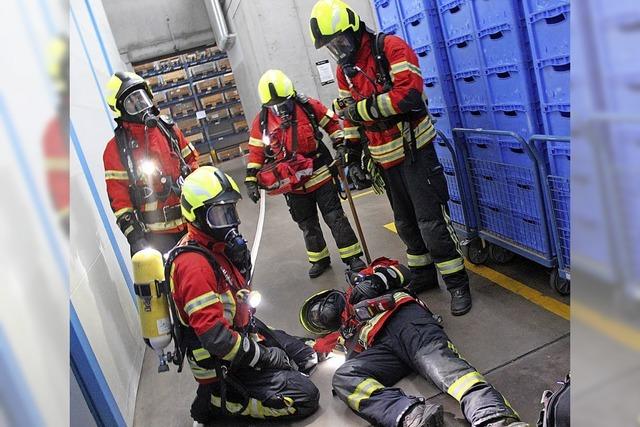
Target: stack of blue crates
{"points": [[548, 26]]}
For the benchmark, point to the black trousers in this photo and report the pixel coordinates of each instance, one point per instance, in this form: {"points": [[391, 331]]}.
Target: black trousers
{"points": [[304, 211], [412, 341], [266, 393], [417, 190]]}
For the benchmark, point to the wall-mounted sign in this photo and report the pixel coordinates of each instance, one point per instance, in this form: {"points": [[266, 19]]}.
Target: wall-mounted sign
{"points": [[325, 72]]}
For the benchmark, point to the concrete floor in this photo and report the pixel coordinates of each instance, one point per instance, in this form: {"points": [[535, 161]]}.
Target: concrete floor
{"points": [[520, 347]]}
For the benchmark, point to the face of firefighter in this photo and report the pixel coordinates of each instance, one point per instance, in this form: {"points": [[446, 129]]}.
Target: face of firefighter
{"points": [[223, 220], [343, 48], [326, 313], [283, 109], [137, 102]]}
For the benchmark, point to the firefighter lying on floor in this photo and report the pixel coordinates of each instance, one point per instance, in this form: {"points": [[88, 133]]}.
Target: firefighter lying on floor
{"points": [[388, 334], [243, 367]]}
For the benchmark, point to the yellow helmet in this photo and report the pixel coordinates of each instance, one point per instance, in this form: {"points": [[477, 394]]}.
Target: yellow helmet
{"points": [[58, 63], [330, 18], [210, 187], [121, 84], [275, 87]]}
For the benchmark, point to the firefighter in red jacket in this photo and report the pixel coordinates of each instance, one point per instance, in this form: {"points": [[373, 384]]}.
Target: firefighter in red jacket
{"points": [[288, 126], [388, 334], [384, 97], [145, 164], [238, 374]]}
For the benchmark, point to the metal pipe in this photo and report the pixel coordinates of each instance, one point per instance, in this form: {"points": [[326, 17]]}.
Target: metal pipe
{"points": [[224, 39]]}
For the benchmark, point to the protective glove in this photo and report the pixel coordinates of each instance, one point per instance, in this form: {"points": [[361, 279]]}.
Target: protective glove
{"points": [[365, 110], [343, 155], [382, 281], [274, 358], [253, 191], [359, 177], [139, 245]]}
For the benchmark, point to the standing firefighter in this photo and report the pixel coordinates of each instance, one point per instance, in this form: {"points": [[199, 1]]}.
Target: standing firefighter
{"points": [[287, 156], [381, 92], [389, 334], [145, 164], [243, 368]]}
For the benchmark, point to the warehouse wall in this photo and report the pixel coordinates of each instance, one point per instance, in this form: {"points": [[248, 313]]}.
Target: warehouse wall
{"points": [[100, 284], [269, 37], [145, 29]]}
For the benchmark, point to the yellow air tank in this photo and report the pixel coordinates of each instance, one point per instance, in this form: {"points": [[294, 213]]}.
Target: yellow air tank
{"points": [[152, 302]]}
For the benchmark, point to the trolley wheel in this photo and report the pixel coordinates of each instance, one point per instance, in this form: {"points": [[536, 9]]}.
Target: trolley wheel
{"points": [[500, 255], [476, 251], [559, 284]]}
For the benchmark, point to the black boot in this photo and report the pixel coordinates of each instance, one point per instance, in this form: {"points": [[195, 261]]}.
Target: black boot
{"points": [[460, 300], [424, 278], [317, 268], [355, 264], [423, 415]]}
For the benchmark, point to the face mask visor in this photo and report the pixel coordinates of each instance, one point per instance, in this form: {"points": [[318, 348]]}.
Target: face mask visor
{"points": [[282, 109], [342, 48], [137, 102], [222, 215]]}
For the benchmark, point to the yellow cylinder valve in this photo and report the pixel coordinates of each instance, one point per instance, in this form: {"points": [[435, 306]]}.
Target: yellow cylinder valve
{"points": [[153, 305]]}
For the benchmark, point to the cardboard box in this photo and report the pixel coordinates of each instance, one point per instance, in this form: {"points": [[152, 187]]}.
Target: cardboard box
{"points": [[154, 81], [201, 69], [166, 112], [228, 153], [159, 97], [188, 124], [196, 138], [244, 147], [174, 76], [207, 85], [206, 159], [232, 95], [168, 63], [236, 110], [144, 68], [228, 80], [178, 92], [218, 115], [240, 126], [212, 100], [183, 108], [223, 64]]}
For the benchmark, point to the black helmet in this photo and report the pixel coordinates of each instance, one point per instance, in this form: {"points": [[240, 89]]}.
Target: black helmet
{"points": [[321, 313]]}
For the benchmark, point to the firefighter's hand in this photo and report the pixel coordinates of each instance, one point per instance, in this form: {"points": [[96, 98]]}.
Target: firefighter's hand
{"points": [[358, 177], [365, 110], [343, 154], [253, 191], [274, 358]]}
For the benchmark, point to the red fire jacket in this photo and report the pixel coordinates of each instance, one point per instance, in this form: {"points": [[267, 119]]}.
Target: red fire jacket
{"points": [[386, 146], [307, 142], [158, 151], [208, 303], [56, 152]]}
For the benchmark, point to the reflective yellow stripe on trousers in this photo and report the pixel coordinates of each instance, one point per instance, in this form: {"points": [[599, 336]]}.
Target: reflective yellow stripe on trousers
{"points": [[350, 251], [364, 390], [317, 256], [464, 383]]}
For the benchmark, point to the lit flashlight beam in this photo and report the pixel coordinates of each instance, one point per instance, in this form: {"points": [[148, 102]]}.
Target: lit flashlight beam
{"points": [[258, 236]]}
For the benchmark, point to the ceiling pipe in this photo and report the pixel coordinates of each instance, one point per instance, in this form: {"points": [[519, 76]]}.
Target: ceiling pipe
{"points": [[224, 39]]}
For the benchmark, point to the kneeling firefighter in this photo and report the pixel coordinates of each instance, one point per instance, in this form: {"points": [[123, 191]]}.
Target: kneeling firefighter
{"points": [[145, 164], [243, 367], [287, 156], [388, 334]]}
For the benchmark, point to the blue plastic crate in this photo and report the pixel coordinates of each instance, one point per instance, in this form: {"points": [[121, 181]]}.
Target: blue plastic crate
{"points": [[530, 232], [477, 117], [617, 40], [535, 6], [452, 180], [445, 119], [559, 154], [456, 211], [456, 17], [554, 80], [413, 7], [464, 53], [513, 153], [480, 148], [494, 12], [496, 220], [432, 59], [442, 150], [511, 84], [488, 182], [503, 44], [518, 118], [420, 29], [549, 32], [556, 119], [523, 196], [440, 92], [471, 87], [387, 12], [395, 30]]}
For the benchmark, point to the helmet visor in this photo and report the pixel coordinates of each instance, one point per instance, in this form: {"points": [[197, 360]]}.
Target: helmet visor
{"points": [[137, 102], [342, 47], [282, 109], [222, 215]]}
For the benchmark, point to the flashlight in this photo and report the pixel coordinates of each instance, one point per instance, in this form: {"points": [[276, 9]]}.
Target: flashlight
{"points": [[253, 298], [148, 167]]}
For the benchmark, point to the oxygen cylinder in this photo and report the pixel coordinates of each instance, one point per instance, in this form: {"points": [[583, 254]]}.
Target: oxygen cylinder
{"points": [[152, 302]]}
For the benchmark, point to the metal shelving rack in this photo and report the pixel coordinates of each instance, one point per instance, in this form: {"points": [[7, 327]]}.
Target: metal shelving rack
{"points": [[219, 134]]}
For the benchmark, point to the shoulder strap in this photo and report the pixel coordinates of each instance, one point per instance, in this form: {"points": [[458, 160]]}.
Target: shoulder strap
{"points": [[303, 101], [382, 63], [264, 119], [126, 158]]}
